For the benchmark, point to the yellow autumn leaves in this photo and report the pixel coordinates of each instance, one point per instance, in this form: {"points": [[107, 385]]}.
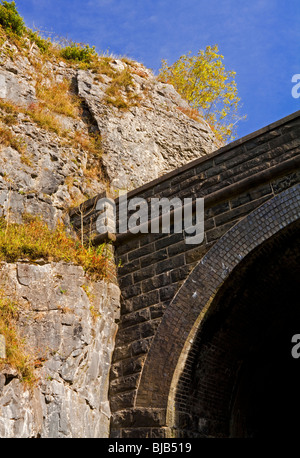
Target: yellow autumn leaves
{"points": [[203, 81]]}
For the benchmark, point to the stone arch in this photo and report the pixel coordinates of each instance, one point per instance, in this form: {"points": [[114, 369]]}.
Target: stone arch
{"points": [[239, 377], [178, 330]]}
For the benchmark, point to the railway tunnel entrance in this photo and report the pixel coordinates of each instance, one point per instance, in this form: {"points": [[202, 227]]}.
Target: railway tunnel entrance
{"points": [[240, 378], [221, 362]]}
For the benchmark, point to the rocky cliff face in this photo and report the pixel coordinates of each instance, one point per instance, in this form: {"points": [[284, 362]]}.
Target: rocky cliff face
{"points": [[55, 171], [115, 135], [150, 138], [70, 324]]}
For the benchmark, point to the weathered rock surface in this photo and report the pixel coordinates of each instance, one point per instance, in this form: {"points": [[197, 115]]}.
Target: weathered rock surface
{"points": [[49, 176], [69, 323], [149, 139]]}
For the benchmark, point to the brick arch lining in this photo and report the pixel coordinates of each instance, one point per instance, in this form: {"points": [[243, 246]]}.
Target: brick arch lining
{"points": [[240, 363], [178, 328]]}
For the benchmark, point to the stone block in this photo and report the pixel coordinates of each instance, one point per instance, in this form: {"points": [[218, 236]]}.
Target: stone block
{"points": [[177, 248], [146, 272], [134, 318], [154, 257], [216, 233], [131, 291], [156, 282], [141, 346], [145, 300], [128, 335], [148, 329], [167, 292], [170, 264], [167, 240], [124, 384], [285, 182], [140, 252], [129, 268], [133, 365], [180, 273], [138, 418], [158, 310], [122, 401]]}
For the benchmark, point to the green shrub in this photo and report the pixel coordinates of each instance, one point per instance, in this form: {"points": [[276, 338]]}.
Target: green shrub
{"points": [[10, 18], [42, 43], [79, 53]]}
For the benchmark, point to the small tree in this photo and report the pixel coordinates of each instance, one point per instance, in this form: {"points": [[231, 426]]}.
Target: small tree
{"points": [[10, 18], [203, 81]]}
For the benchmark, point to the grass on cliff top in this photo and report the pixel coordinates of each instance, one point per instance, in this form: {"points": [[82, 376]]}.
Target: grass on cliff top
{"points": [[57, 98], [34, 240]]}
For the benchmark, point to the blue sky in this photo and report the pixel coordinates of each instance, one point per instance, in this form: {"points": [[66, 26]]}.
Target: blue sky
{"points": [[260, 40]]}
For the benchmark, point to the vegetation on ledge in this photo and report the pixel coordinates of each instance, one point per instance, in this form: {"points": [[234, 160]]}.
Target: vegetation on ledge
{"points": [[17, 355], [33, 240]]}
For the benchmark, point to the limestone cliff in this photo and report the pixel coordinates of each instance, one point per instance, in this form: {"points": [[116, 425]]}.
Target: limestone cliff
{"points": [[56, 166], [149, 139], [70, 324], [68, 133]]}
